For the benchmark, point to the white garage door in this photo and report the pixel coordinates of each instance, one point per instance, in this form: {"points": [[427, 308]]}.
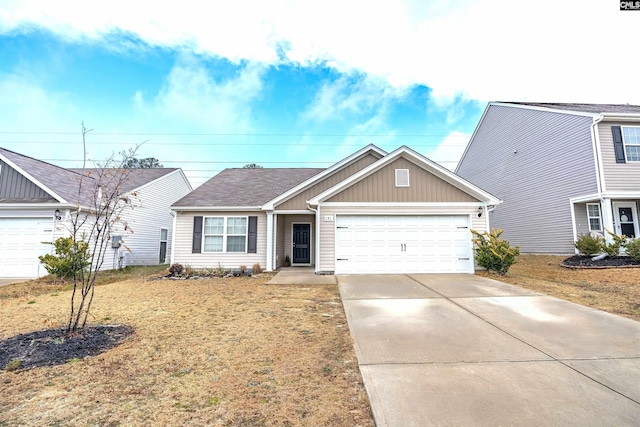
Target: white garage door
{"points": [[21, 244], [403, 244]]}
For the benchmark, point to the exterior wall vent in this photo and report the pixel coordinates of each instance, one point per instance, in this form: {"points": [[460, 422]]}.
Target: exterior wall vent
{"points": [[402, 177]]}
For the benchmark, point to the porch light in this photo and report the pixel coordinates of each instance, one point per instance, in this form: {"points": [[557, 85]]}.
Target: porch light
{"points": [[57, 214]]}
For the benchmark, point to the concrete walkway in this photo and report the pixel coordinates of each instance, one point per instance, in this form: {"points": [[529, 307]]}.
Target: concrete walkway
{"points": [[301, 276], [461, 350]]}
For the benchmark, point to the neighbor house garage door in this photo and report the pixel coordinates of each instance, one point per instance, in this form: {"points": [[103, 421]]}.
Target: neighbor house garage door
{"points": [[21, 243], [403, 244]]}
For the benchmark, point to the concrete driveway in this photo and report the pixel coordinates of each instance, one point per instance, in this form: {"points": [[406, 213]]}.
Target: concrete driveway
{"points": [[460, 350]]}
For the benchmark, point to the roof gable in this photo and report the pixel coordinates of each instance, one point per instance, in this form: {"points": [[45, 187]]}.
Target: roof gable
{"points": [[594, 109], [369, 150], [424, 186], [429, 166]]}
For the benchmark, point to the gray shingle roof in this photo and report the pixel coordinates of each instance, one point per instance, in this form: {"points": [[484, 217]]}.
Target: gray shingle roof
{"points": [[65, 182], [246, 187], [586, 108]]}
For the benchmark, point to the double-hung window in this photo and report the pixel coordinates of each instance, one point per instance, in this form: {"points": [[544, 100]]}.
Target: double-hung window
{"points": [[631, 141], [225, 234], [595, 220]]}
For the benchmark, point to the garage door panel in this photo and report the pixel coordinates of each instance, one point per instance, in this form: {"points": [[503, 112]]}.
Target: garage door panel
{"points": [[22, 244], [403, 244]]}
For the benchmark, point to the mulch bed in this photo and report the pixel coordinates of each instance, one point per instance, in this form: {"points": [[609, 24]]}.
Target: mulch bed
{"points": [[581, 261], [52, 347]]}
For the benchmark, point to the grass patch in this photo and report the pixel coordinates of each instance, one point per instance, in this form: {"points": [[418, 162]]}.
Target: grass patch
{"points": [[614, 290], [205, 352]]}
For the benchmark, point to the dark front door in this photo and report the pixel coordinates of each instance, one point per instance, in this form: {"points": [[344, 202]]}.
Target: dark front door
{"points": [[627, 226], [301, 244]]}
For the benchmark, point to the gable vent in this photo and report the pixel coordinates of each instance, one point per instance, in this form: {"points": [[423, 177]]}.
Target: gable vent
{"points": [[402, 177]]}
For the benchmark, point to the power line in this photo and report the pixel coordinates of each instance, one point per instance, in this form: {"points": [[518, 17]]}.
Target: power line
{"points": [[331, 135]]}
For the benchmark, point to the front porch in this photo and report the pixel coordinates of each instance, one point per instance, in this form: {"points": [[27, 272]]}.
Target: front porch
{"points": [[617, 213], [291, 239]]}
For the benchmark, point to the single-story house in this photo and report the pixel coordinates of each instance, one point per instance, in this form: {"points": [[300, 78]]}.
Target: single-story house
{"points": [[372, 212], [37, 200], [562, 169]]}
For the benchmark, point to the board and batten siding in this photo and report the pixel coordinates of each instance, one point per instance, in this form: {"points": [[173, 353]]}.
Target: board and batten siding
{"points": [[299, 201], [617, 176], [380, 186], [328, 228], [16, 187], [184, 236], [534, 161]]}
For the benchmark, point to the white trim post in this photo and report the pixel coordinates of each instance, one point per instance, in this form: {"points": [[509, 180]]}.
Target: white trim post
{"points": [[573, 223], [270, 241], [607, 218]]}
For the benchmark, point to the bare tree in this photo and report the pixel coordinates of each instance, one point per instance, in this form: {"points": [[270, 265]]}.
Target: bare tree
{"points": [[102, 198]]}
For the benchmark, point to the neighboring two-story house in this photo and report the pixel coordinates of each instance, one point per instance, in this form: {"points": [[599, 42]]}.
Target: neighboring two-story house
{"points": [[561, 169], [37, 200]]}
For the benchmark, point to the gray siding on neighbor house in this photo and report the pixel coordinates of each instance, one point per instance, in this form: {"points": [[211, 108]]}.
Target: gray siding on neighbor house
{"points": [[617, 176], [535, 161], [15, 187]]}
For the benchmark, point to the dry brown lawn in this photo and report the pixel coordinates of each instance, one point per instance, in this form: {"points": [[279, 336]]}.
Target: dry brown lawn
{"points": [[615, 290], [220, 352]]}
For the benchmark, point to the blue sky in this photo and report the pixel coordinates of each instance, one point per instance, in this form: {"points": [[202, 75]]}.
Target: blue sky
{"points": [[209, 85]]}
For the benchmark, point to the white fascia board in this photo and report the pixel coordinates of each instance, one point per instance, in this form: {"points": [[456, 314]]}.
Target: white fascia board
{"points": [[54, 206], [420, 161], [216, 208], [547, 109], [621, 117], [596, 197], [32, 179], [405, 204], [473, 135], [319, 177], [294, 212]]}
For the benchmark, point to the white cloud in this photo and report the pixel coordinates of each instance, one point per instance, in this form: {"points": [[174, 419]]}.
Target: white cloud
{"points": [[450, 150], [474, 49]]}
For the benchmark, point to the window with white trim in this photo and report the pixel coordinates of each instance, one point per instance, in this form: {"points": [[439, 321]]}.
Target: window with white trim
{"points": [[631, 141], [225, 234], [595, 219], [402, 177]]}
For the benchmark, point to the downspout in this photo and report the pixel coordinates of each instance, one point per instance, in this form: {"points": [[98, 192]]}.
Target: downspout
{"points": [[174, 214], [605, 205], [317, 236]]}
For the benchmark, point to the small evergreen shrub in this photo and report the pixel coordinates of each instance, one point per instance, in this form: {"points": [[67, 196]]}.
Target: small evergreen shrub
{"points": [[613, 249], [176, 269], [70, 257], [589, 245], [633, 249], [494, 253]]}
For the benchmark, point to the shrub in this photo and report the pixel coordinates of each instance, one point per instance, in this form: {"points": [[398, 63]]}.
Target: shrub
{"points": [[256, 269], [613, 249], [633, 249], [589, 245], [176, 269], [493, 253], [70, 257]]}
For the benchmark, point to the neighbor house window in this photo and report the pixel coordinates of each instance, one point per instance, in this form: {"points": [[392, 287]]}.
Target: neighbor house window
{"points": [[225, 234], [631, 141], [593, 213], [402, 177]]}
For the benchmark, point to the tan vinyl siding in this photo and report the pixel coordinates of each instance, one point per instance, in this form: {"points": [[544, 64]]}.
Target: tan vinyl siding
{"points": [[381, 187], [289, 220], [184, 235], [15, 187], [299, 201], [327, 228], [535, 161], [617, 176]]}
